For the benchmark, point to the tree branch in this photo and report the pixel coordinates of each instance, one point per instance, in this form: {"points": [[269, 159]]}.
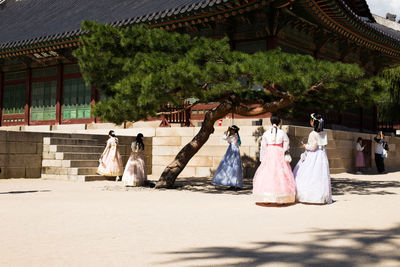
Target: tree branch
{"points": [[176, 111]]}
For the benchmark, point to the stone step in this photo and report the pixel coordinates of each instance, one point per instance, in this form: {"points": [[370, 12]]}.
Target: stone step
{"points": [[337, 170], [84, 149], [70, 141], [69, 171], [77, 178], [84, 163], [91, 178], [78, 156]]}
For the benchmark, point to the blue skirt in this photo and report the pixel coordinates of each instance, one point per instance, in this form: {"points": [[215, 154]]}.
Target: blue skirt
{"points": [[229, 172]]}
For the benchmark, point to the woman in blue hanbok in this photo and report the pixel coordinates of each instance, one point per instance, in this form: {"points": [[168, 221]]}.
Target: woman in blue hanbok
{"points": [[229, 172]]}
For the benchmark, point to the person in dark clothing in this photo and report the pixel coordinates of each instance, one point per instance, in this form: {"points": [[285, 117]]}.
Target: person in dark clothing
{"points": [[381, 146]]}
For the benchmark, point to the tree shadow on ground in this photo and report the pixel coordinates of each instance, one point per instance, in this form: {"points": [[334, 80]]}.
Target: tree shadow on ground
{"points": [[340, 186], [24, 192], [332, 247]]}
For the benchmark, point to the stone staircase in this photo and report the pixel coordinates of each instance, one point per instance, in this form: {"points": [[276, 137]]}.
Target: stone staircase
{"points": [[74, 159]]}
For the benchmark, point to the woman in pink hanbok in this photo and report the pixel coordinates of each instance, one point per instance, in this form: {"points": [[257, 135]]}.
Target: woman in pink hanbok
{"points": [[110, 160], [135, 169], [274, 181]]}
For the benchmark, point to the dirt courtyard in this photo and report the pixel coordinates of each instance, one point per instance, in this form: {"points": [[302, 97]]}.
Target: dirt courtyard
{"points": [[56, 223]]}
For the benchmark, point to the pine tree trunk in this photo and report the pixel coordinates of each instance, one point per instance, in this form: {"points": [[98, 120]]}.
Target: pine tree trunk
{"points": [[172, 171]]}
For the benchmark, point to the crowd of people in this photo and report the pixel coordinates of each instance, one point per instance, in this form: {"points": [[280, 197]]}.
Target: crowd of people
{"points": [[274, 181]]}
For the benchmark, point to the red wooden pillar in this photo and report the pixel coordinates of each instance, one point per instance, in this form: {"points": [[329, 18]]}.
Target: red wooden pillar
{"points": [[1, 96], [28, 90], [272, 42], [60, 83], [95, 97], [361, 119], [375, 118]]}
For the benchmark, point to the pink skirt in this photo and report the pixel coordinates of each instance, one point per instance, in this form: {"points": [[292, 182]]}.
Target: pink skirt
{"points": [[274, 181], [360, 162]]}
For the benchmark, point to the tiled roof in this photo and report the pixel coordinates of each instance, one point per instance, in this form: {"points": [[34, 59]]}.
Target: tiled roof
{"points": [[30, 21]]}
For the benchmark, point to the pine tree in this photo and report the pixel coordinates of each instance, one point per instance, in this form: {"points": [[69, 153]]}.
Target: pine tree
{"points": [[141, 69]]}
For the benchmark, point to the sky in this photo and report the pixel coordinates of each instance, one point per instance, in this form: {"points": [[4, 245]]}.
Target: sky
{"points": [[381, 7]]}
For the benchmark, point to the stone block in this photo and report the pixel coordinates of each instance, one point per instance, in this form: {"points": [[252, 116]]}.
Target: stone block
{"points": [[22, 148], [52, 163], [3, 147], [188, 172], [36, 128], [65, 163], [162, 160], [4, 159], [175, 131], [167, 141], [48, 155], [46, 140], [203, 172], [254, 151], [201, 161], [165, 150], [60, 155], [69, 127], [302, 131], [341, 135], [26, 137], [216, 151], [15, 172], [33, 172], [244, 150]]}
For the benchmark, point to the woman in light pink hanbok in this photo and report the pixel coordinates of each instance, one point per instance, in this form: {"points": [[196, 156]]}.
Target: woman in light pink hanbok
{"points": [[135, 169], [110, 160], [274, 181]]}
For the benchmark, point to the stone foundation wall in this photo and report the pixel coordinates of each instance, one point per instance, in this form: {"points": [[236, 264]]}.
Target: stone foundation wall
{"points": [[21, 152]]}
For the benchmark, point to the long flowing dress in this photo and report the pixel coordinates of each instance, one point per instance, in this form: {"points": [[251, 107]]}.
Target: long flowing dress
{"points": [[230, 171], [312, 176], [273, 181], [135, 169], [111, 161], [360, 161]]}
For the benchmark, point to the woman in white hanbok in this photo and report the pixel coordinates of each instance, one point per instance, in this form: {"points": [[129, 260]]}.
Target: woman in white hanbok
{"points": [[312, 176], [110, 162], [135, 169]]}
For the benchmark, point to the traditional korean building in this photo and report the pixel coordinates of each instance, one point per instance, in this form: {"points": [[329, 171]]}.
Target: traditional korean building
{"points": [[40, 82]]}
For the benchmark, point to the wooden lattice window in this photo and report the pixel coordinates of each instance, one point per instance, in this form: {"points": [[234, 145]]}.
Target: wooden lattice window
{"points": [[76, 99], [14, 99], [44, 99]]}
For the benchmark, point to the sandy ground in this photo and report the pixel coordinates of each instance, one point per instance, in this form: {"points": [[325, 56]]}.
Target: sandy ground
{"points": [[55, 223]]}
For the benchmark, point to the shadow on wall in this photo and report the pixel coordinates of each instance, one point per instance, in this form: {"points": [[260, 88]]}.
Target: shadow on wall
{"points": [[336, 247]]}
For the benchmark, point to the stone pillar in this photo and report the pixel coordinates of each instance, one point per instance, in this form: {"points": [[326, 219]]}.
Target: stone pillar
{"points": [[1, 95]]}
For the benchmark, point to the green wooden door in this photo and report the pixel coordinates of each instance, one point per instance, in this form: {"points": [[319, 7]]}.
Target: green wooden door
{"points": [[44, 100], [77, 99], [14, 99]]}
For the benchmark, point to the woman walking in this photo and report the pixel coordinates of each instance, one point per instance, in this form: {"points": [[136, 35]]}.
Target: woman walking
{"points": [[110, 160], [135, 169]]}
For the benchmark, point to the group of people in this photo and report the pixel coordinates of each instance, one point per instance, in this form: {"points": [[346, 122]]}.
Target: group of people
{"points": [[274, 180], [110, 162], [381, 150]]}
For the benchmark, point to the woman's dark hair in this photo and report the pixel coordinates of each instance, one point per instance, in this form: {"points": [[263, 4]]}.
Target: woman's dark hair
{"points": [[359, 139], [236, 130], [112, 133], [139, 141], [275, 120], [318, 122]]}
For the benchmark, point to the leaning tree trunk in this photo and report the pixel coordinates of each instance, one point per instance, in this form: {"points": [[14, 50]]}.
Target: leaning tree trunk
{"points": [[172, 171]]}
